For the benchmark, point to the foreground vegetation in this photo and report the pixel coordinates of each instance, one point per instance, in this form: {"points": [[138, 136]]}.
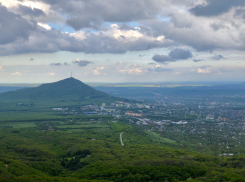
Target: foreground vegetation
{"points": [[86, 148]]}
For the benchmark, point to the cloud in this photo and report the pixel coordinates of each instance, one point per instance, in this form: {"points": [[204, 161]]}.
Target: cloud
{"points": [[205, 69], [96, 72], [51, 74], [197, 60], [32, 59], [208, 38], [180, 54], [25, 10], [55, 64], [16, 74], [1, 68], [134, 71], [82, 63], [216, 7], [66, 64], [162, 59], [218, 57], [119, 63], [100, 68], [95, 12], [174, 55], [143, 55], [13, 27], [137, 28], [218, 26], [159, 69], [240, 13], [151, 63]]}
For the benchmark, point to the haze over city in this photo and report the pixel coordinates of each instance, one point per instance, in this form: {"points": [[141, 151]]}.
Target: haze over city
{"points": [[122, 41]]}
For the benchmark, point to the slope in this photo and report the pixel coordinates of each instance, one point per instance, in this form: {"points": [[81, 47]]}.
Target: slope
{"points": [[69, 90]]}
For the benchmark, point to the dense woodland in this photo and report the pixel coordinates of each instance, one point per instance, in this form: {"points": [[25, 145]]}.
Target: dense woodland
{"points": [[85, 149]]}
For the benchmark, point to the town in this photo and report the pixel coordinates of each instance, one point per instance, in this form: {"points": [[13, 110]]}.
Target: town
{"points": [[212, 125]]}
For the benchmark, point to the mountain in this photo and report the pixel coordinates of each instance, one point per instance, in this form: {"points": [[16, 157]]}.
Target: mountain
{"points": [[67, 90]]}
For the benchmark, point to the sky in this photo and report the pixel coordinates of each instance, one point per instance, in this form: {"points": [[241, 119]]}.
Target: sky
{"points": [[122, 40]]}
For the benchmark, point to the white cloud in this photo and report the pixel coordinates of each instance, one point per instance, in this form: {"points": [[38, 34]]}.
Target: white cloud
{"points": [[46, 26], [100, 68], [135, 71], [16, 74], [204, 70], [96, 72]]}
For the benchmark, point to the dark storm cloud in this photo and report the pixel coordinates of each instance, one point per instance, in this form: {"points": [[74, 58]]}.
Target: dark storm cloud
{"points": [[55, 64], [216, 7], [180, 54], [218, 57], [82, 63], [13, 27], [159, 69], [25, 10], [32, 59]]}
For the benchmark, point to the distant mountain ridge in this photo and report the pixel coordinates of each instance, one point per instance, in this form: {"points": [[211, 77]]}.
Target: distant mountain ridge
{"points": [[67, 90]]}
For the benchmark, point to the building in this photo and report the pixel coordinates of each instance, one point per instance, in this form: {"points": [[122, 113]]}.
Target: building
{"points": [[210, 117], [147, 106], [58, 109], [130, 113], [222, 119]]}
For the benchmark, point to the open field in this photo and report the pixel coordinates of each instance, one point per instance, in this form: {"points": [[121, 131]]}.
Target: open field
{"points": [[19, 125], [82, 126], [157, 137], [119, 127]]}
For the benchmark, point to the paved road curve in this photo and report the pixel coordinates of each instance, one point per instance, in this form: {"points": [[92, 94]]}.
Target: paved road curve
{"points": [[121, 138]]}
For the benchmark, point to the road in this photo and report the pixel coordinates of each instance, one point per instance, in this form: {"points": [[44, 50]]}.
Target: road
{"points": [[121, 138]]}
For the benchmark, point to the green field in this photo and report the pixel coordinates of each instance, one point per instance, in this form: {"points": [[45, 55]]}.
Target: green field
{"points": [[21, 125], [157, 137], [82, 126], [119, 127]]}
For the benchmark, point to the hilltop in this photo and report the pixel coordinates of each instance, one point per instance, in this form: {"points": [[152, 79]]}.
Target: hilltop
{"points": [[69, 91]]}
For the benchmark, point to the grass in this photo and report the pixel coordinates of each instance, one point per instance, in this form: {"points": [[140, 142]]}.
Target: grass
{"points": [[29, 116], [82, 126], [157, 137], [21, 125], [118, 127]]}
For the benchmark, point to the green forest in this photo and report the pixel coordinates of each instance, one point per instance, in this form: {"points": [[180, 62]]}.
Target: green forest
{"points": [[87, 148]]}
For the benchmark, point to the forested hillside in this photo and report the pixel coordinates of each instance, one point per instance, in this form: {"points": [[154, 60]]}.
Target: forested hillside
{"points": [[81, 149]]}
